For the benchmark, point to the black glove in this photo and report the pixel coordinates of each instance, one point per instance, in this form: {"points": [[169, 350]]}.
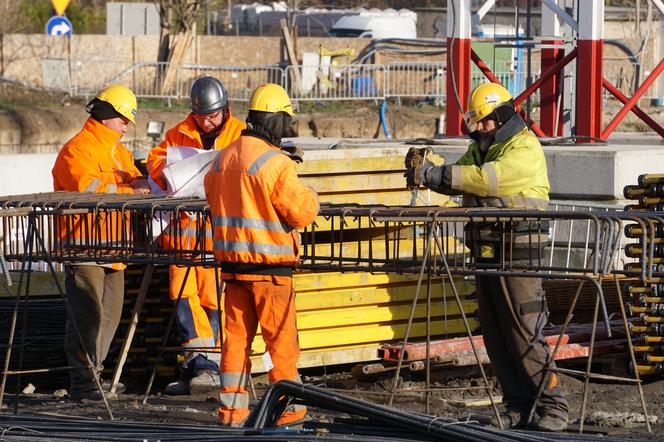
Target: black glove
{"points": [[293, 152]]}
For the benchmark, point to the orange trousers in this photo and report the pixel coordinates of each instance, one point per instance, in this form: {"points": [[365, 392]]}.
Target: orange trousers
{"points": [[247, 304], [197, 313]]}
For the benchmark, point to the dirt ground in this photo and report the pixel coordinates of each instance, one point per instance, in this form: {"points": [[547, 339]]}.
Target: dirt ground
{"points": [[612, 409]]}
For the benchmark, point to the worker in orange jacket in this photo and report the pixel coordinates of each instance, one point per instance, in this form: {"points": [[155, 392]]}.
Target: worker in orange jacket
{"points": [[210, 125], [94, 161], [257, 204]]}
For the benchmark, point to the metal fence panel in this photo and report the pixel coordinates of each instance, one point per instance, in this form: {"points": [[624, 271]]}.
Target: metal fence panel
{"points": [[416, 79], [338, 82], [240, 81]]}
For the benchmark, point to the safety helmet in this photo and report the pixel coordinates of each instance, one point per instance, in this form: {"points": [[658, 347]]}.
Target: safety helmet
{"points": [[121, 98], [271, 97], [483, 101], [208, 95]]}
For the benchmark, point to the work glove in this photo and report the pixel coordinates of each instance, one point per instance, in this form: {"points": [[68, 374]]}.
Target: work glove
{"points": [[417, 166], [293, 152]]}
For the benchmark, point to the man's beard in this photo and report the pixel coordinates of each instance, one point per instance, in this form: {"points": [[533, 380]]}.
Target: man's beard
{"points": [[486, 140]]}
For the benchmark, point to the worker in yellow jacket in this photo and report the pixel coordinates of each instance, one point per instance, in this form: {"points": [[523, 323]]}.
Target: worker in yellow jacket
{"points": [[95, 161], [257, 203], [504, 167], [210, 125]]}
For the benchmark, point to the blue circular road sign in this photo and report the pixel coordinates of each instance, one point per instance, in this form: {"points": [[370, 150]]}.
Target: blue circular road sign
{"points": [[59, 25]]}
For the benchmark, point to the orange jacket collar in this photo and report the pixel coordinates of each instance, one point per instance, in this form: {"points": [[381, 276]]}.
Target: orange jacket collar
{"points": [[106, 137], [189, 127]]}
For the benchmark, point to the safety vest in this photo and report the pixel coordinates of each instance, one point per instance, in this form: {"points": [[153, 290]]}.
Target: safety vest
{"points": [[93, 161], [511, 175], [183, 234], [257, 203]]}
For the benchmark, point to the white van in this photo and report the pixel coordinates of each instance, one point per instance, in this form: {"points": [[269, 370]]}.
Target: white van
{"points": [[377, 25]]}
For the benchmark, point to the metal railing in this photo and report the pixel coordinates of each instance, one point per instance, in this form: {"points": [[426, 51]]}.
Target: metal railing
{"points": [[316, 83]]}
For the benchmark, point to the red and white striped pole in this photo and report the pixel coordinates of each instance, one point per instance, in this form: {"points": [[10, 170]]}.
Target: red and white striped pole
{"points": [[589, 67], [551, 89], [458, 65]]}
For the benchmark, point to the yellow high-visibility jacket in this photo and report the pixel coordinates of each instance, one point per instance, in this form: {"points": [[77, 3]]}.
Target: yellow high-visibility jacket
{"points": [[511, 175]]}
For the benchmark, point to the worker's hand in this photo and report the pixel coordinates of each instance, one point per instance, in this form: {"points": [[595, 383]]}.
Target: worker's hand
{"points": [[140, 186], [417, 166], [416, 156], [292, 151], [417, 176]]}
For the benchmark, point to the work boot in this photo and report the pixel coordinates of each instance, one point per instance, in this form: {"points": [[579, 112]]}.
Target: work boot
{"points": [[177, 388], [551, 422], [106, 386], [511, 418], [91, 395], [205, 381]]}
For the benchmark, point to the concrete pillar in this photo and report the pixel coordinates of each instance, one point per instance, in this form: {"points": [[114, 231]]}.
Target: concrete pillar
{"points": [[659, 55], [458, 64], [589, 69], [551, 89]]}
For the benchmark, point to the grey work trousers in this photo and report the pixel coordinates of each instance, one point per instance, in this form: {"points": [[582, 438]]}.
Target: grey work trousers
{"points": [[95, 295], [514, 342]]}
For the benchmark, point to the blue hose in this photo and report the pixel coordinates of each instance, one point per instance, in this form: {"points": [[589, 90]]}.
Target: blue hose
{"points": [[383, 123]]}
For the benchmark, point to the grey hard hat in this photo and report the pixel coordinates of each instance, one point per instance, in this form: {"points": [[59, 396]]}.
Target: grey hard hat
{"points": [[208, 95]]}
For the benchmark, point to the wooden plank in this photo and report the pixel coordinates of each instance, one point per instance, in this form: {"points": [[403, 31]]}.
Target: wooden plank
{"points": [[390, 161], [292, 56], [386, 197]]}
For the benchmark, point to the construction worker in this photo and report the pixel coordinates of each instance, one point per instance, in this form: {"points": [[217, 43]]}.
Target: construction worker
{"points": [[209, 125], [504, 166], [94, 161], [257, 203]]}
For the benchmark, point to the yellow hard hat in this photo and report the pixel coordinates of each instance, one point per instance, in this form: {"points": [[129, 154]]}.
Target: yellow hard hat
{"points": [[271, 97], [121, 98], [483, 100]]}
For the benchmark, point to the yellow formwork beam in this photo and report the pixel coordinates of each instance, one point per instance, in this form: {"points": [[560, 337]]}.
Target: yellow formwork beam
{"points": [[353, 161], [327, 357], [350, 165], [371, 333], [372, 296], [385, 197], [305, 281], [340, 317], [353, 182], [402, 248]]}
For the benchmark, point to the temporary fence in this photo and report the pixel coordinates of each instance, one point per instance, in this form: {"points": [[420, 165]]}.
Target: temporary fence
{"points": [[423, 80]]}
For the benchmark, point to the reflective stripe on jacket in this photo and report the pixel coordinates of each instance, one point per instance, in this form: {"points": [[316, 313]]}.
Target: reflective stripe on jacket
{"points": [[93, 161], [256, 203], [186, 133], [512, 175]]}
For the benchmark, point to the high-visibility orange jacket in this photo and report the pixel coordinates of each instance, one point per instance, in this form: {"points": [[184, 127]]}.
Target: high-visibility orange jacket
{"points": [[93, 161], [257, 203], [186, 133]]}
